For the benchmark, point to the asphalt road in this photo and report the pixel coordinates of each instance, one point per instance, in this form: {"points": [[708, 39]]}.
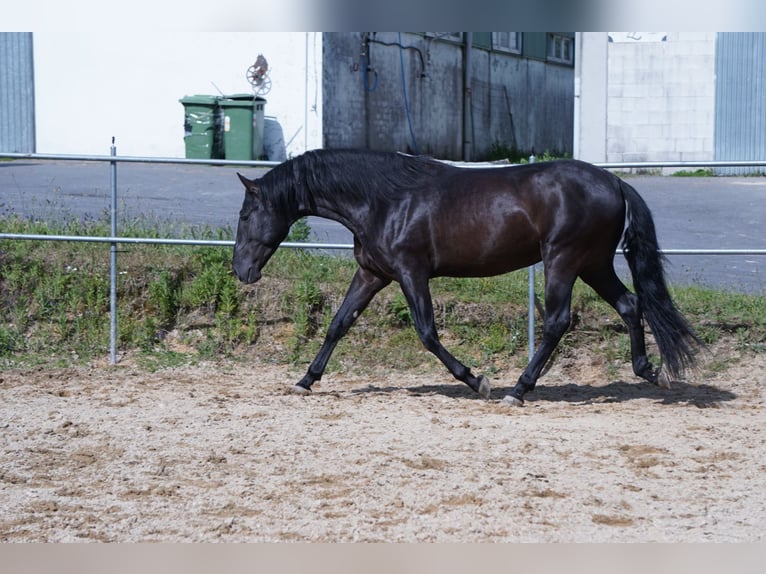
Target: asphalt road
{"points": [[690, 213]]}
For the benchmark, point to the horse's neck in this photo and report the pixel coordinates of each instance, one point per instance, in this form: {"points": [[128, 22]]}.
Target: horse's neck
{"points": [[349, 211]]}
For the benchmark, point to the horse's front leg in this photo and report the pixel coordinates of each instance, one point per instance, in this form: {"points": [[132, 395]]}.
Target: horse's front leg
{"points": [[363, 288], [419, 298]]}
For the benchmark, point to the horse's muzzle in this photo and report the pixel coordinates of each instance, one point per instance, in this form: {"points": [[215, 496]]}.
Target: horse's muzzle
{"points": [[250, 275]]}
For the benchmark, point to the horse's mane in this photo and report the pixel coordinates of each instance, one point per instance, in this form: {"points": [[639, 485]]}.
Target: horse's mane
{"points": [[368, 176]]}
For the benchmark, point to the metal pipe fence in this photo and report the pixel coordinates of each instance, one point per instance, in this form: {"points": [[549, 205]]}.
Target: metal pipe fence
{"points": [[115, 239]]}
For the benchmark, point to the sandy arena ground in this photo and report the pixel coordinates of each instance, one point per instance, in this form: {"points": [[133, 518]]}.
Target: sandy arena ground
{"points": [[227, 453]]}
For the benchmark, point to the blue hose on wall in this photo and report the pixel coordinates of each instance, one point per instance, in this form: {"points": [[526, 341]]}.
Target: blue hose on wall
{"points": [[404, 92]]}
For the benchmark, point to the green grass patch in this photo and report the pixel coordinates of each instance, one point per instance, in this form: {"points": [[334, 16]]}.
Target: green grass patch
{"points": [[181, 304], [695, 173], [502, 151]]}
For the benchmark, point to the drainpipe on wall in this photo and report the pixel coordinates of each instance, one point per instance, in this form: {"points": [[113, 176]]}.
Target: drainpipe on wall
{"points": [[467, 128], [306, 97], [577, 94], [365, 61]]}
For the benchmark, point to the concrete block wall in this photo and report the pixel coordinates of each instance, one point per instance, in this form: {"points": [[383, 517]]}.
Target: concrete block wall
{"points": [[661, 99]]}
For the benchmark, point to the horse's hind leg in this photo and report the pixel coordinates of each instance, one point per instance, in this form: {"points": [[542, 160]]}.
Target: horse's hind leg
{"points": [[558, 299], [613, 291]]}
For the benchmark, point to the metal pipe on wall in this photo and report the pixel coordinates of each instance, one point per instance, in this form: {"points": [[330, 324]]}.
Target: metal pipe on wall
{"points": [[467, 72], [577, 88]]}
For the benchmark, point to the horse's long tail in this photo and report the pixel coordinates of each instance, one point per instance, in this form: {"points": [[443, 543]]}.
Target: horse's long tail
{"points": [[675, 338]]}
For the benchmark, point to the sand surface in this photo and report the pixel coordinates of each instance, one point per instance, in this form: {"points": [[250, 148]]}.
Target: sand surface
{"points": [[225, 452]]}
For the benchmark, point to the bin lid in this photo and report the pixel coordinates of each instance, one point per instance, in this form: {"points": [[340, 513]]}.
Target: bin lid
{"points": [[248, 97], [200, 99], [237, 101]]}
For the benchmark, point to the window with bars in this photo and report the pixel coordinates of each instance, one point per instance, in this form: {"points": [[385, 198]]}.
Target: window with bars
{"points": [[560, 49], [507, 42], [453, 36]]}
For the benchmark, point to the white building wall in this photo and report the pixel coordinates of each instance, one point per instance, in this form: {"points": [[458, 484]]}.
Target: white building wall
{"points": [[659, 102], [590, 96], [661, 98], [93, 85]]}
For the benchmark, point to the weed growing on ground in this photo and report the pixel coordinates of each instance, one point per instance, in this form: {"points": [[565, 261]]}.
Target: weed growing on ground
{"points": [[182, 304]]}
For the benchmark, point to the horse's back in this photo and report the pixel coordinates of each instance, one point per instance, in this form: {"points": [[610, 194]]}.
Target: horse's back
{"points": [[493, 220], [548, 195]]}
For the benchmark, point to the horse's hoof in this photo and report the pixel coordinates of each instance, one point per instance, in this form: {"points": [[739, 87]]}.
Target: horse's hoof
{"points": [[513, 401], [663, 379], [299, 390], [485, 389]]}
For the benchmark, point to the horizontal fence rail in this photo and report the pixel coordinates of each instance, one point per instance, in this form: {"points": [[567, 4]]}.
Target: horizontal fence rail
{"points": [[136, 159], [680, 164], [294, 244], [163, 241], [259, 163], [114, 239]]}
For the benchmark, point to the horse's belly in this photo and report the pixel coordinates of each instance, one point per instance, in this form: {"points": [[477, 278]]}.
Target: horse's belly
{"points": [[484, 256]]}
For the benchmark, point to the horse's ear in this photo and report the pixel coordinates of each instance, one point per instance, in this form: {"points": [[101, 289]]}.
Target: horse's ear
{"points": [[249, 184]]}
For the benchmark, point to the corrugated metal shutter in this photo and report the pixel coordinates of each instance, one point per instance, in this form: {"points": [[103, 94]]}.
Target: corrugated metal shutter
{"points": [[740, 107], [17, 93]]}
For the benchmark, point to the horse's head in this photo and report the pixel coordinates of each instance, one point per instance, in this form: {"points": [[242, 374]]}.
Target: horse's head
{"points": [[260, 230]]}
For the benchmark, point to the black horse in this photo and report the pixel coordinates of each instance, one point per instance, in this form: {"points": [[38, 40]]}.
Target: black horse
{"points": [[415, 218]]}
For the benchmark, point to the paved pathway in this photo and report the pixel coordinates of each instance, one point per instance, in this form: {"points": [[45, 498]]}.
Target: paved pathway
{"points": [[722, 212]]}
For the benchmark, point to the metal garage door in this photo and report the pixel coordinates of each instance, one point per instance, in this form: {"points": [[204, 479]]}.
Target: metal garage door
{"points": [[740, 107], [17, 93]]}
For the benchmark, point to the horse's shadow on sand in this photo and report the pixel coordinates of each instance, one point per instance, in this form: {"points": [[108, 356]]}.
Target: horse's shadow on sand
{"points": [[702, 395]]}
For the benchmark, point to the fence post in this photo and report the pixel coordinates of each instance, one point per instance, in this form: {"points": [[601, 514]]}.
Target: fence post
{"points": [[113, 261], [531, 302]]}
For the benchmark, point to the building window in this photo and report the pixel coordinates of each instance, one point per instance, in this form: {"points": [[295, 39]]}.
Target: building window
{"points": [[451, 36], [560, 49], [507, 42]]}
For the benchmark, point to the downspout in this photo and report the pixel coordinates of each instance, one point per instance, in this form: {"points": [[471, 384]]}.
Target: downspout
{"points": [[577, 95], [306, 97], [467, 128]]}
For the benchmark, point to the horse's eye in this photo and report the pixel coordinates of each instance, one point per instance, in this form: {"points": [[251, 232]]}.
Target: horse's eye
{"points": [[245, 214]]}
